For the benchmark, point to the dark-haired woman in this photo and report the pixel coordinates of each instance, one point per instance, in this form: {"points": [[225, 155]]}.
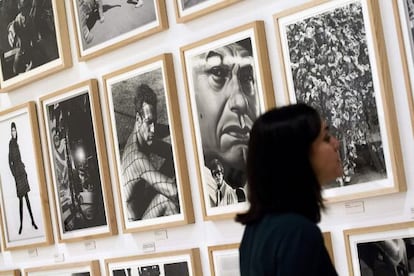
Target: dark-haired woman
{"points": [[290, 156], [20, 176]]}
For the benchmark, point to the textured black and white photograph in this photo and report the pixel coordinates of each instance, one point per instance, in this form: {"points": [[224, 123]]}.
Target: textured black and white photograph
{"points": [[225, 78], [103, 23], [147, 170], [21, 201], [331, 70], [27, 36], [393, 257], [75, 163]]}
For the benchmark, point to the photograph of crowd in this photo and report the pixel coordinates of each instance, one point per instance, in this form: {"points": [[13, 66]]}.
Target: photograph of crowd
{"points": [[27, 36], [331, 70]]}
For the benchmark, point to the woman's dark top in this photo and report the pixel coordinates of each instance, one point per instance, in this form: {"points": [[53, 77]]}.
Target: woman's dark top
{"points": [[284, 245], [17, 168]]}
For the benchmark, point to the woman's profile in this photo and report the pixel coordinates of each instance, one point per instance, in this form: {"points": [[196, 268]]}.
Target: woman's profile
{"points": [[290, 156], [20, 176]]}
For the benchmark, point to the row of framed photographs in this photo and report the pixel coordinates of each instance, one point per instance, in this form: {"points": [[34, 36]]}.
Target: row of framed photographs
{"points": [[36, 44], [231, 71], [183, 262], [370, 250]]}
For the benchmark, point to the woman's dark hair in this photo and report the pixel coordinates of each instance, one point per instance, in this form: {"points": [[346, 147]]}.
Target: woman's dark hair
{"points": [[279, 173]]}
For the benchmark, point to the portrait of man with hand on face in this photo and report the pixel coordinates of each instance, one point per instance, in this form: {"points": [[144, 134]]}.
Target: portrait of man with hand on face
{"points": [[227, 104]]}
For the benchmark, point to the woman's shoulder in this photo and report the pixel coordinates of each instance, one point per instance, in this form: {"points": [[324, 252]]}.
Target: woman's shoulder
{"points": [[291, 222]]}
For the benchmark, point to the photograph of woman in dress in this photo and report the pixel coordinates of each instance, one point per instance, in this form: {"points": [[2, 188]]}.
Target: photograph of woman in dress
{"points": [[20, 176]]}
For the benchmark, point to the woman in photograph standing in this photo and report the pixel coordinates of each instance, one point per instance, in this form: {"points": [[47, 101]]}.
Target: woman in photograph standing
{"points": [[290, 156], [20, 176]]}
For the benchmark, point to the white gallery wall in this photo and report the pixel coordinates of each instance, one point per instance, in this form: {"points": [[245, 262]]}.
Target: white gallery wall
{"points": [[339, 216]]}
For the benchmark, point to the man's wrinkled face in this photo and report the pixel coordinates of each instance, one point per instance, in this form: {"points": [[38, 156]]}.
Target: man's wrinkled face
{"points": [[224, 83], [147, 121]]}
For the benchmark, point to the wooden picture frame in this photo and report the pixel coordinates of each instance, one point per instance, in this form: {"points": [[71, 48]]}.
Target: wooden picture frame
{"points": [[402, 13], [120, 25], [327, 239], [153, 168], [227, 157], [334, 58], [89, 268], [23, 181], [79, 171], [182, 262], [14, 272], [26, 59], [224, 259], [189, 10], [376, 243]]}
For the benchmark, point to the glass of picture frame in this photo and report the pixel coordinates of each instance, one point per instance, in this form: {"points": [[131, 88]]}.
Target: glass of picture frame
{"points": [[25, 213], [224, 259], [102, 28], [333, 58], [32, 46], [386, 249], [186, 10], [79, 174], [220, 129], [151, 170]]}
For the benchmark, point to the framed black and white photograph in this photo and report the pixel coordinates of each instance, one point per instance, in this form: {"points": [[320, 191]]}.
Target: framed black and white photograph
{"points": [[105, 25], [224, 259], [34, 41], [182, 263], [223, 104], [333, 59], [186, 10], [25, 214], [381, 250], [79, 166], [148, 143], [88, 268], [404, 21]]}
